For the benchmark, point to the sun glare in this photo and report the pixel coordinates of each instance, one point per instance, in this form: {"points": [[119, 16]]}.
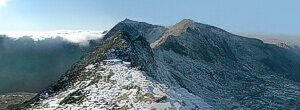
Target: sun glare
{"points": [[3, 2]]}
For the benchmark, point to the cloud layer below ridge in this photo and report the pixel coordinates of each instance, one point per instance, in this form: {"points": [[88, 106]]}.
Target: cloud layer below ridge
{"points": [[76, 36]]}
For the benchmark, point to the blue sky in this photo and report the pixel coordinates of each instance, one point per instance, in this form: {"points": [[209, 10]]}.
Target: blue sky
{"points": [[258, 16]]}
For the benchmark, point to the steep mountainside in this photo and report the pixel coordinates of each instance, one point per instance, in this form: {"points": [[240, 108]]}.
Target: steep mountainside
{"points": [[226, 70], [188, 65]]}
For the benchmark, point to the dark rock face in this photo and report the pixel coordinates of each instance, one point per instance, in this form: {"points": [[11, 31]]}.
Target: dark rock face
{"points": [[226, 70]]}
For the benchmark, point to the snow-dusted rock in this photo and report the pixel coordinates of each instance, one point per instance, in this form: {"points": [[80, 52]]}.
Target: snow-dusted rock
{"points": [[117, 86]]}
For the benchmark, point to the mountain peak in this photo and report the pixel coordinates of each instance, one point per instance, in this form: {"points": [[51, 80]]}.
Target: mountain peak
{"points": [[175, 30], [183, 25], [127, 20], [186, 21], [136, 29]]}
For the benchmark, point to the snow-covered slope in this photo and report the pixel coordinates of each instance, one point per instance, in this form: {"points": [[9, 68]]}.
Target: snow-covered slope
{"points": [[115, 76], [114, 84]]}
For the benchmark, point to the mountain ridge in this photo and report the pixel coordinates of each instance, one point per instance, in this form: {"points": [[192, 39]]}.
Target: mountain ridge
{"points": [[221, 70]]}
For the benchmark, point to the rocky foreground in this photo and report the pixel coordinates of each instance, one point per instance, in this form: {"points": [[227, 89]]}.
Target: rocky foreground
{"points": [[14, 98]]}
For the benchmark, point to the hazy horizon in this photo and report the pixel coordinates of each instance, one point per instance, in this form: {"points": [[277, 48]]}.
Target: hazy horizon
{"points": [[81, 36]]}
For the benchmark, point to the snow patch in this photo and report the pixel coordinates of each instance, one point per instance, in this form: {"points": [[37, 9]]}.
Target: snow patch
{"points": [[116, 86]]}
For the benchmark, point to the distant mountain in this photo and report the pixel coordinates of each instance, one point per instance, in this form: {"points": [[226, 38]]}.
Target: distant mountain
{"points": [[29, 66], [284, 41], [185, 66], [275, 38]]}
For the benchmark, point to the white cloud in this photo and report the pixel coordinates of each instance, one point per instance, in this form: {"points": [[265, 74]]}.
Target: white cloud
{"points": [[77, 36], [3, 2]]}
